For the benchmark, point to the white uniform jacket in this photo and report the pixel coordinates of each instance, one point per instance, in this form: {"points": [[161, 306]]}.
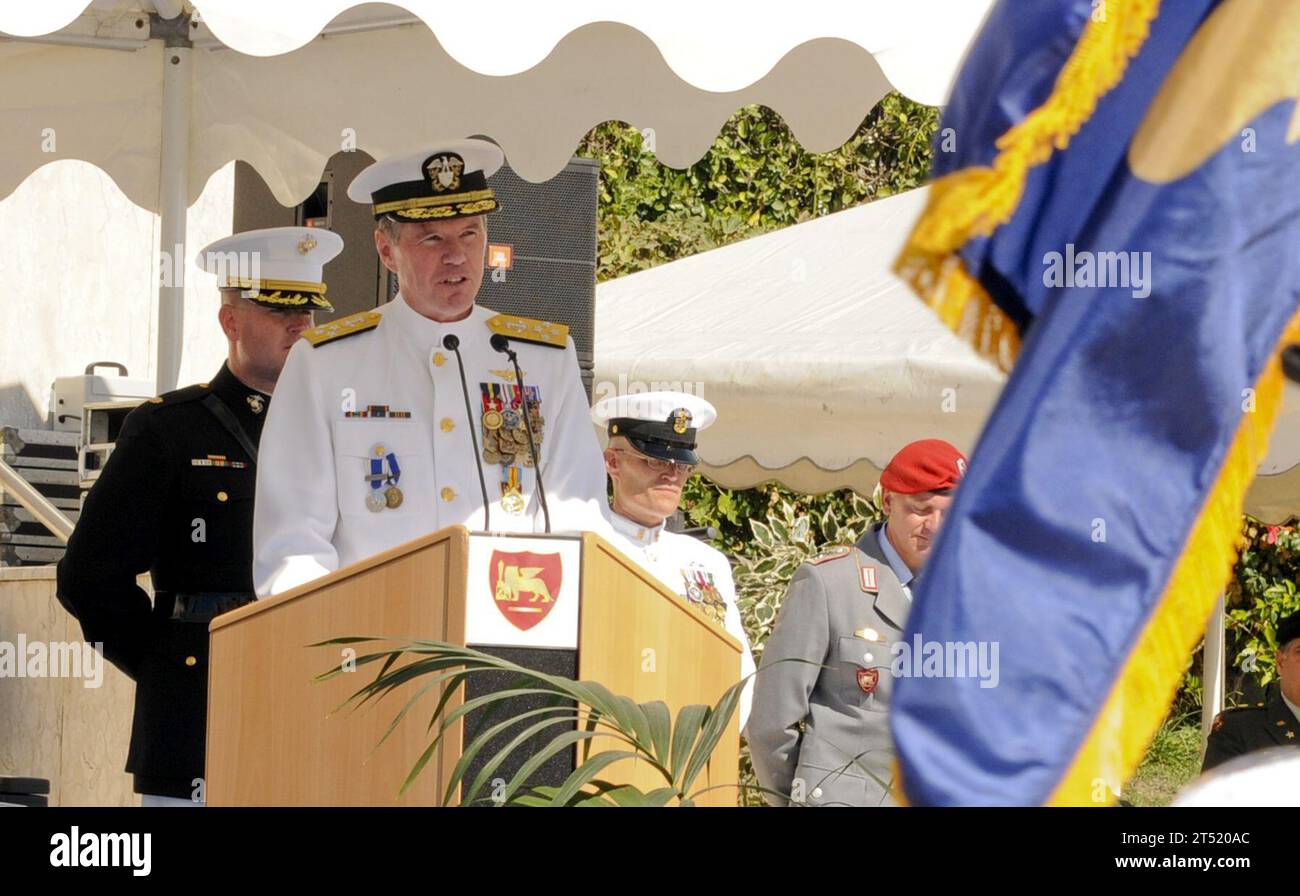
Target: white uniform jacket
{"points": [[382, 410], [698, 573]]}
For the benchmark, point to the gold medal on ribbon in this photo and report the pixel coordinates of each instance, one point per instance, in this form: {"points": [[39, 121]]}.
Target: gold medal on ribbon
{"points": [[512, 502], [393, 497], [492, 420], [512, 497]]}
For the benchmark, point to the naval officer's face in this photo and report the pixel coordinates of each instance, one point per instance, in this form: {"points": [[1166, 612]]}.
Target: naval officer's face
{"points": [[645, 489], [914, 522], [439, 264]]}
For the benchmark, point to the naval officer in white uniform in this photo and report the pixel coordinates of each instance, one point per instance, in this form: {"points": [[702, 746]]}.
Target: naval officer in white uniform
{"points": [[369, 445], [650, 456]]}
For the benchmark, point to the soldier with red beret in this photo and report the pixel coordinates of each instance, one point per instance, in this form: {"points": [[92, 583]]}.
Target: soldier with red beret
{"points": [[819, 726]]}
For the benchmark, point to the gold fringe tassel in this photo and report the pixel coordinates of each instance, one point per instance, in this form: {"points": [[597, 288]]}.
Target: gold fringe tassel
{"points": [[975, 201]]}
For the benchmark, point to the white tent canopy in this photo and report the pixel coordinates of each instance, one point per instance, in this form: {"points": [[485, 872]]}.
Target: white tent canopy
{"points": [[717, 47], [820, 361], [284, 86]]}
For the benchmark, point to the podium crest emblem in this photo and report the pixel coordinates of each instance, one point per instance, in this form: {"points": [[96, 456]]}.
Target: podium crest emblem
{"points": [[525, 585]]}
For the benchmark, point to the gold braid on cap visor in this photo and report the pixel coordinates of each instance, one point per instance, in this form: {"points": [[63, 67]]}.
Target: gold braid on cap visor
{"points": [[293, 293], [430, 207]]}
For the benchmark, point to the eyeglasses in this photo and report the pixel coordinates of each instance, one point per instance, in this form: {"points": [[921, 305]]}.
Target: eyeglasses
{"points": [[658, 465]]}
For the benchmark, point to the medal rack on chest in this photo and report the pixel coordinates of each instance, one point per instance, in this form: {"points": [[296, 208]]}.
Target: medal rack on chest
{"points": [[384, 470], [383, 477], [505, 436]]}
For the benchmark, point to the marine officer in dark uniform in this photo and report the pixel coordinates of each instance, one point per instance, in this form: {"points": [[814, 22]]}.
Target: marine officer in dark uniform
{"points": [[175, 499], [1271, 723], [819, 726]]}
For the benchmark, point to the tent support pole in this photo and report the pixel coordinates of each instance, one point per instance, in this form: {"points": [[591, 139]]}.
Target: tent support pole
{"points": [[173, 201], [1213, 671]]}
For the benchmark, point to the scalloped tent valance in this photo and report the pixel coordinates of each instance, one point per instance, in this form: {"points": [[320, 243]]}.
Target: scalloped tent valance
{"points": [[283, 86]]}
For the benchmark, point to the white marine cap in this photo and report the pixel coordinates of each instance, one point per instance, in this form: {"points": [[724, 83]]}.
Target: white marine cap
{"points": [[657, 424], [447, 180], [276, 267]]}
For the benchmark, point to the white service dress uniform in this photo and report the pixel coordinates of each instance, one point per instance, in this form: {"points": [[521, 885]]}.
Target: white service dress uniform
{"points": [[375, 404], [698, 573]]}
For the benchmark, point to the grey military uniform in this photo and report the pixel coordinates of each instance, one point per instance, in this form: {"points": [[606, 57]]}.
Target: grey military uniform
{"points": [[842, 612]]}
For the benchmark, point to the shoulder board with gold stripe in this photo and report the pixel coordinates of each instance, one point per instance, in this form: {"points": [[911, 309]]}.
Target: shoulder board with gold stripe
{"points": [[833, 553], [342, 328], [526, 329], [1228, 710]]}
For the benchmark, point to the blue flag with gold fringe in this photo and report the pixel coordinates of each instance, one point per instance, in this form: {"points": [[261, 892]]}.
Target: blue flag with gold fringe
{"points": [[1116, 220]]}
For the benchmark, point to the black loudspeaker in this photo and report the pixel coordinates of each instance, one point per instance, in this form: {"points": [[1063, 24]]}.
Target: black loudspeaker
{"points": [[547, 231], [551, 231], [355, 279], [552, 772]]}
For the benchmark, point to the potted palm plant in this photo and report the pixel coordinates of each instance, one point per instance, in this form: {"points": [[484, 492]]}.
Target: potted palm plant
{"points": [[678, 750]]}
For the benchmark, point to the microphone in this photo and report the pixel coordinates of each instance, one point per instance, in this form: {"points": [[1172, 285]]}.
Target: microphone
{"points": [[452, 344], [502, 344]]}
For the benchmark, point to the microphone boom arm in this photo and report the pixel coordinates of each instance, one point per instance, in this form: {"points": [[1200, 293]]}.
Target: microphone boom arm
{"points": [[452, 344], [502, 344]]}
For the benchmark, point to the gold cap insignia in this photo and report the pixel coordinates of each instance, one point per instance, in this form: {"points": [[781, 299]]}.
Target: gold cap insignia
{"points": [[681, 420], [443, 171], [306, 244]]}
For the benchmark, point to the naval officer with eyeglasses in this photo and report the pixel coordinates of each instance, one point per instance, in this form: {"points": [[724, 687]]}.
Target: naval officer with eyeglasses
{"points": [[651, 454]]}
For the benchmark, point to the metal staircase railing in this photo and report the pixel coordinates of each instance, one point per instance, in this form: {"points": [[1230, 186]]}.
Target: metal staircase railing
{"points": [[37, 504]]}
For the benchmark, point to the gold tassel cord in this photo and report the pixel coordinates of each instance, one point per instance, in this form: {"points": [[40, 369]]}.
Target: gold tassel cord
{"points": [[975, 201]]}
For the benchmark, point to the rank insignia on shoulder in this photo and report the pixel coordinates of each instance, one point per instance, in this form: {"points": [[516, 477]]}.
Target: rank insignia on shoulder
{"points": [[181, 395], [526, 329], [832, 553], [342, 328], [868, 574]]}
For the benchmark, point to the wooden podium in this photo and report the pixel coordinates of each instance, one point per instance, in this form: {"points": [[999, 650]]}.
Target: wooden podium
{"points": [[274, 738]]}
